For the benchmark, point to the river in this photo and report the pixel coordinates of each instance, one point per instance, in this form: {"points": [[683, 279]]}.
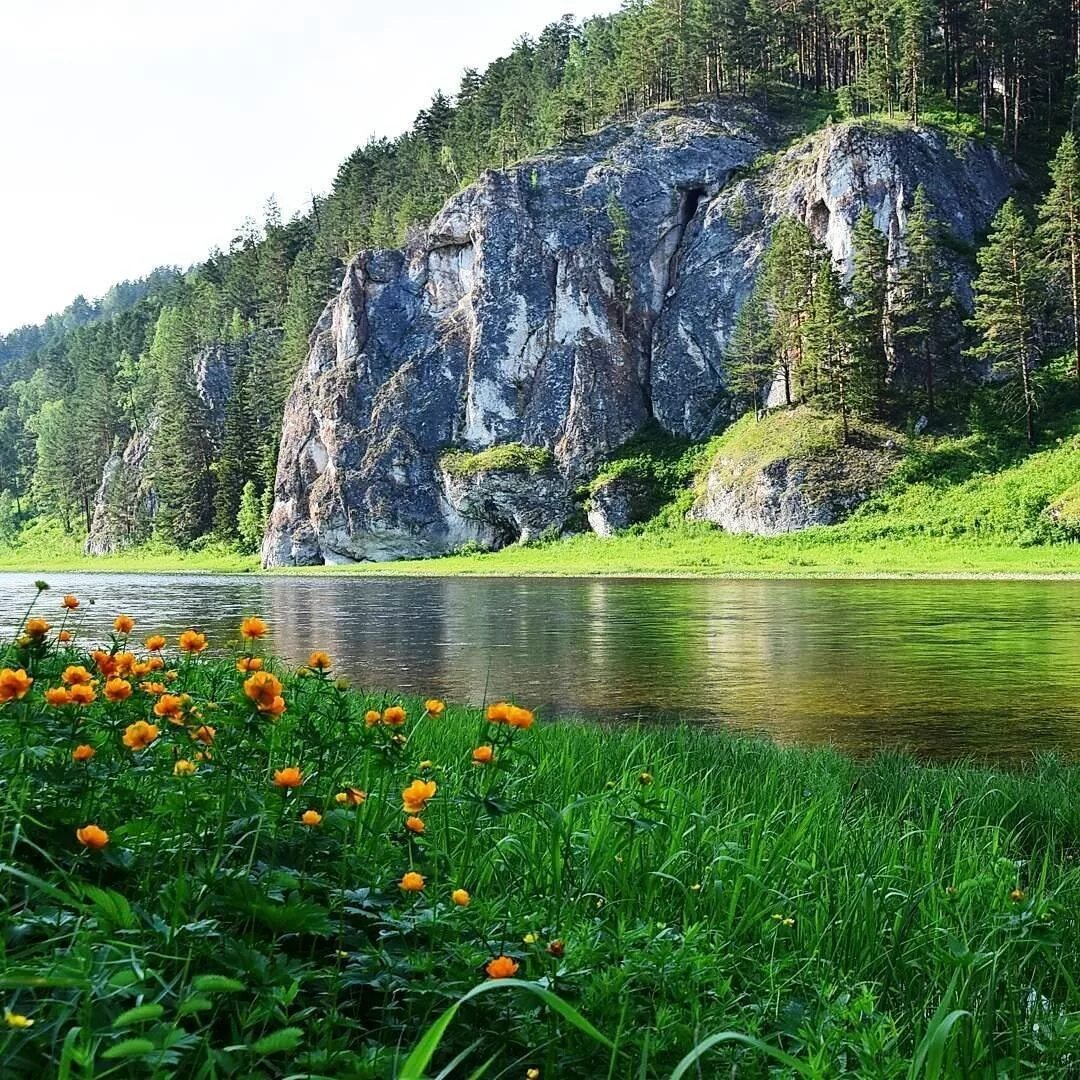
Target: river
{"points": [[986, 669]]}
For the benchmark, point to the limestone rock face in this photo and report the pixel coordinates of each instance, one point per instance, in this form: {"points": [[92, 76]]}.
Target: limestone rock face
{"points": [[564, 304], [619, 502]]}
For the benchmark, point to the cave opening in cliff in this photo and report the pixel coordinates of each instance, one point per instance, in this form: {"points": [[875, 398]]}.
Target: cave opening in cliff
{"points": [[691, 200]]}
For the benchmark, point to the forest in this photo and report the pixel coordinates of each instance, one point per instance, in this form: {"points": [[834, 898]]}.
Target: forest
{"points": [[74, 389]]}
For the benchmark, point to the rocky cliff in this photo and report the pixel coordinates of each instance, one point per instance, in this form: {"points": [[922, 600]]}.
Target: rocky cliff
{"points": [[562, 305]]}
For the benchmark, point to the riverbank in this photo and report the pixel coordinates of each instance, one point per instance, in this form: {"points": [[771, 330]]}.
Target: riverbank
{"points": [[289, 897]]}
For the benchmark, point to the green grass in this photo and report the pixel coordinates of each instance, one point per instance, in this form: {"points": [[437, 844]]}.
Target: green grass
{"points": [[506, 457], [806, 905]]}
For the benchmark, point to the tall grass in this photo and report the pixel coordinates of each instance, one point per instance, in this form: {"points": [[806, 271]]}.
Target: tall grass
{"points": [[678, 903]]}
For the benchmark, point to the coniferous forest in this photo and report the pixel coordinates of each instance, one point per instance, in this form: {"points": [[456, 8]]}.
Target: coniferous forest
{"points": [[76, 388]]}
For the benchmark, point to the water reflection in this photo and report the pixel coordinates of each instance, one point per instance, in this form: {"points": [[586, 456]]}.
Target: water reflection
{"points": [[945, 668]]}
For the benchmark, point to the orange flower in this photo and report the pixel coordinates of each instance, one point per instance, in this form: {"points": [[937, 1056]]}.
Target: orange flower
{"points": [[290, 777], [519, 718], [37, 628], [249, 663], [58, 697], [70, 602], [502, 967], [319, 661], [412, 882], [76, 674], [104, 662], [83, 753], [497, 713], [125, 663], [277, 707], [415, 797], [14, 685], [461, 897], [183, 767], [483, 755], [83, 694], [372, 717], [123, 624], [191, 641], [204, 734], [155, 663], [263, 688], [118, 690], [92, 837], [140, 735], [435, 707], [155, 643], [170, 707], [253, 627], [65, 636], [414, 824], [394, 716], [350, 797], [311, 818]]}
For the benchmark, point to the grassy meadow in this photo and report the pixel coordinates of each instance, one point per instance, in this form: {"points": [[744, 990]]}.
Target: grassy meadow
{"points": [[214, 867]]}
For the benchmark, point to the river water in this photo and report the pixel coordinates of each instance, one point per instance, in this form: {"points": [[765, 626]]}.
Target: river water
{"points": [[988, 669]]}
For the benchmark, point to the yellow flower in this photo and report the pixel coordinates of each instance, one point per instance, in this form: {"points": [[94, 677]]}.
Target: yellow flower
{"points": [[117, 690], [1017, 895], [249, 663], [350, 797], [83, 694], [435, 707], [644, 779], [394, 715], [36, 628], [168, 706], [461, 897], [184, 768], [14, 685], [530, 938], [140, 735], [70, 602], [123, 624], [191, 641], [76, 674], [411, 882], [320, 661], [502, 967], [415, 797], [414, 824], [17, 1020], [155, 643], [427, 764], [311, 818], [483, 755], [82, 753], [58, 696], [92, 837], [290, 777], [532, 1074], [253, 627]]}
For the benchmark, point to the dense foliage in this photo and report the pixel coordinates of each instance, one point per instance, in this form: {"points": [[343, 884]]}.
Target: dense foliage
{"points": [[76, 388]]}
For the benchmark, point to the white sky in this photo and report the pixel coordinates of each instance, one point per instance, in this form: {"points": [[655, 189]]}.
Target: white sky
{"points": [[139, 133]]}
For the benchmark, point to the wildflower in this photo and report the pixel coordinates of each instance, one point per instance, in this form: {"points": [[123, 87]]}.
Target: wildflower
{"points": [[483, 755], [427, 764], [58, 696], [253, 627], [502, 967], [320, 661], [461, 898], [497, 713], [399, 739], [140, 668], [784, 920], [17, 1020], [14, 685], [311, 818], [394, 716], [350, 797], [92, 837], [65, 636], [117, 690], [696, 887], [104, 662], [342, 685], [140, 735], [83, 694], [124, 663], [83, 753], [530, 938], [519, 718], [412, 882], [532, 1074], [155, 663], [123, 624], [191, 641], [1017, 895], [70, 603], [415, 824], [434, 707], [264, 689], [247, 664], [415, 797], [372, 717], [155, 643], [36, 628], [204, 734], [290, 777], [168, 706], [556, 948], [644, 779], [184, 768]]}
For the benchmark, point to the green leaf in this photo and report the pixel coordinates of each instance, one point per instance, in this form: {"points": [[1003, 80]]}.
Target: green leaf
{"points": [[216, 984], [128, 1048], [279, 1042], [138, 1014], [703, 1047], [194, 1005]]}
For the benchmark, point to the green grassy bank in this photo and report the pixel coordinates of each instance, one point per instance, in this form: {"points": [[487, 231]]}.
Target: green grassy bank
{"points": [[655, 894]]}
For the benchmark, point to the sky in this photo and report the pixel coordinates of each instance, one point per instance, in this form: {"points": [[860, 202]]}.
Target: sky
{"points": [[141, 133]]}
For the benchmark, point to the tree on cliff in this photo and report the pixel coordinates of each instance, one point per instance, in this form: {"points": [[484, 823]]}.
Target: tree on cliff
{"points": [[1009, 301], [829, 341], [869, 314], [749, 358]]}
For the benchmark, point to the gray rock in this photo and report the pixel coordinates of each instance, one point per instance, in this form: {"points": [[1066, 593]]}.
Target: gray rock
{"points": [[618, 503]]}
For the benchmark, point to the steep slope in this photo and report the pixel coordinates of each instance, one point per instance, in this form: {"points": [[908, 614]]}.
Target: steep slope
{"points": [[562, 305]]}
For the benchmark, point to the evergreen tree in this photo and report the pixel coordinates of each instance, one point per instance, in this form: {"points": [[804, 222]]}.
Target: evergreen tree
{"points": [[829, 340], [749, 356], [250, 523], [869, 315]]}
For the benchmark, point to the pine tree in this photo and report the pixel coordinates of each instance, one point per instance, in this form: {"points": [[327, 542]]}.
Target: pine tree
{"points": [[749, 355], [1009, 294], [249, 519], [829, 341], [869, 302], [1059, 233]]}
